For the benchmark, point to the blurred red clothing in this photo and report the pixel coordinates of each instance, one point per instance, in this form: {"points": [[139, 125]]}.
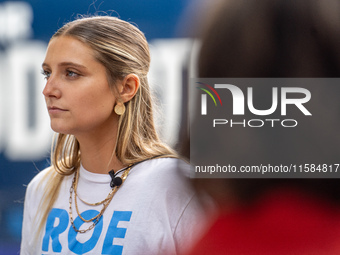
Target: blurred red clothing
{"points": [[282, 222]]}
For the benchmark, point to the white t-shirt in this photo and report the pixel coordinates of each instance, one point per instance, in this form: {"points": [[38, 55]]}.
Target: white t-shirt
{"points": [[153, 212]]}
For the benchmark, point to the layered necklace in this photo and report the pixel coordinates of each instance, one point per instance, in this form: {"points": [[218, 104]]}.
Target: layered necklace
{"points": [[104, 202], [115, 185]]}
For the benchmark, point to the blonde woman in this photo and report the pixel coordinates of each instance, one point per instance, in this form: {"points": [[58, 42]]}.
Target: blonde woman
{"points": [[113, 187]]}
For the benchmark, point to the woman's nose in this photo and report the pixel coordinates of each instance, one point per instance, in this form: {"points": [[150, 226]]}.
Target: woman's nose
{"points": [[51, 88]]}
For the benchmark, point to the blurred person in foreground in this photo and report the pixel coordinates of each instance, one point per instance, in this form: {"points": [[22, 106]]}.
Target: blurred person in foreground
{"points": [[273, 38]]}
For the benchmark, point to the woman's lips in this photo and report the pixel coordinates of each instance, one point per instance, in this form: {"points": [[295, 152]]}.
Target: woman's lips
{"points": [[54, 110]]}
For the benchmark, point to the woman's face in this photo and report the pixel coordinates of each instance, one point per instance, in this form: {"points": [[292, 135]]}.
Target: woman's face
{"points": [[77, 93]]}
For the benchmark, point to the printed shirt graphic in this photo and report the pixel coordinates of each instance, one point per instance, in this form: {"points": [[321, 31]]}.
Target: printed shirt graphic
{"points": [[153, 212]]}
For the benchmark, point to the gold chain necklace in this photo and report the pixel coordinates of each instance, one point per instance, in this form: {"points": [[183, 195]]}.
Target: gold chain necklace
{"points": [[104, 202]]}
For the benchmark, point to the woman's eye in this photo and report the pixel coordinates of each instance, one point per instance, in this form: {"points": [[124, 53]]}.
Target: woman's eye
{"points": [[71, 74], [46, 74]]}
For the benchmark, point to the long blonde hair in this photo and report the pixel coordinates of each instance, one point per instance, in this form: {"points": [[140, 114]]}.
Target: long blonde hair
{"points": [[122, 48]]}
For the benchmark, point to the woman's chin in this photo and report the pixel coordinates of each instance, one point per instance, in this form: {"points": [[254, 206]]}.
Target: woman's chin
{"points": [[60, 129]]}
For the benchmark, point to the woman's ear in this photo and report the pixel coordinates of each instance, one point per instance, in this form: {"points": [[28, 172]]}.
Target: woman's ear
{"points": [[129, 87]]}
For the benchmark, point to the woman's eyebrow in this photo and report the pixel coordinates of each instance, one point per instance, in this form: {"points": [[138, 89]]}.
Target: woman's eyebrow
{"points": [[72, 64], [66, 64], [44, 65]]}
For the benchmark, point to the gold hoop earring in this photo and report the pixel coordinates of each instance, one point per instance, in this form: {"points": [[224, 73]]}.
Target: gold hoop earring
{"points": [[119, 109]]}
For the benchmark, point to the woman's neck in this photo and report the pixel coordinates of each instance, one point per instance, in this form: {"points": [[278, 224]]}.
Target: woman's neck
{"points": [[97, 154]]}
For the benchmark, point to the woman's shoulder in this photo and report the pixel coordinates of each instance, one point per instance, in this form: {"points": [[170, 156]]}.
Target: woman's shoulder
{"points": [[39, 181], [166, 167], [164, 175]]}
